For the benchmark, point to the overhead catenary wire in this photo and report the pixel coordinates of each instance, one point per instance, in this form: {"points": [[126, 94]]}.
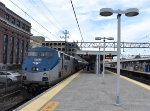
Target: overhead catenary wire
{"points": [[33, 18], [49, 11], [39, 6], [40, 33], [82, 40], [137, 40]]}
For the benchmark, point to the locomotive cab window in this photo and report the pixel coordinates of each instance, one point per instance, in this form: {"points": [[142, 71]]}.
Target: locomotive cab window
{"points": [[43, 54]]}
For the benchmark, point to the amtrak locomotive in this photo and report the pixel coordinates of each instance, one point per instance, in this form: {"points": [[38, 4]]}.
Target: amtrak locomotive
{"points": [[43, 66]]}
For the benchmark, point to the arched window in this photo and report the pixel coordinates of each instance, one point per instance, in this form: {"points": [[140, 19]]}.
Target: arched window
{"points": [[5, 45], [11, 45], [17, 51]]}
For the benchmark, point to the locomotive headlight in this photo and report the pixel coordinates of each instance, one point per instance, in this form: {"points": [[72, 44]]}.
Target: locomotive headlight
{"points": [[37, 69], [44, 74]]}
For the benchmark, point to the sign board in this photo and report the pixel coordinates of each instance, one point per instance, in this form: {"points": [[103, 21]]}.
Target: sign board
{"points": [[108, 56]]}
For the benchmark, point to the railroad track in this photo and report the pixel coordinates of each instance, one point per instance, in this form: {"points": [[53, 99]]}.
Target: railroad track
{"points": [[17, 105], [15, 99], [20, 97], [143, 77]]}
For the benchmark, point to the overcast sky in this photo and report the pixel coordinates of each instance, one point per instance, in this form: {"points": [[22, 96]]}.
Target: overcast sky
{"points": [[57, 16]]}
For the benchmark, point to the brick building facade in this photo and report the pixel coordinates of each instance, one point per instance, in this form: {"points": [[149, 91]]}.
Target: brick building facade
{"points": [[14, 38]]}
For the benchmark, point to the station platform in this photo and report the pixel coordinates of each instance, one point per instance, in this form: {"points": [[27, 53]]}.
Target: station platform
{"points": [[91, 92]]}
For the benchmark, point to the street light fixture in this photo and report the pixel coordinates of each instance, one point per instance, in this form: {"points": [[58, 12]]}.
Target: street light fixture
{"points": [[104, 38], [130, 13]]}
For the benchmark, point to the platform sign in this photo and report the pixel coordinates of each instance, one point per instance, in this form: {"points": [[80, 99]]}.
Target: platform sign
{"points": [[109, 56]]}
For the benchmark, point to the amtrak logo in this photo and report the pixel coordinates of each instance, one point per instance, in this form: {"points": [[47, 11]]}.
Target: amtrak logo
{"points": [[36, 61]]}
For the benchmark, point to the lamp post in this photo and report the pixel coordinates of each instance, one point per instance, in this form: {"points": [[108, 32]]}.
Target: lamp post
{"points": [[104, 38], [130, 13], [97, 61]]}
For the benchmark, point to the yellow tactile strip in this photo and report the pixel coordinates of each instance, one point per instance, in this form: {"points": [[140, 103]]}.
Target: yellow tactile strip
{"points": [[38, 103], [134, 81], [50, 106]]}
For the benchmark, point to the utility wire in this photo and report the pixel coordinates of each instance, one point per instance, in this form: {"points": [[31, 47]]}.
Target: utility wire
{"points": [[42, 12], [33, 28], [32, 18], [77, 21], [140, 39], [51, 15], [40, 33]]}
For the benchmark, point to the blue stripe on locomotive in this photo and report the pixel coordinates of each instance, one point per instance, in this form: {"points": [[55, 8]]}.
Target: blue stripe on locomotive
{"points": [[45, 62]]}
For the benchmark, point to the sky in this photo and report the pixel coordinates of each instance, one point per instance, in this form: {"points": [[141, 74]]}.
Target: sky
{"points": [[56, 16]]}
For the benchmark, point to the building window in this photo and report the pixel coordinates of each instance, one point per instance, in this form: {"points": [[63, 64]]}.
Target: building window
{"points": [[5, 45], [11, 49], [17, 51], [47, 44], [23, 26], [43, 44], [27, 28], [22, 51], [26, 47], [59, 43], [7, 17], [13, 20], [18, 23]]}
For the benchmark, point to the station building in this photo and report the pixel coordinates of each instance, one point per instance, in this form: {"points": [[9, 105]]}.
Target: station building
{"points": [[15, 35]]}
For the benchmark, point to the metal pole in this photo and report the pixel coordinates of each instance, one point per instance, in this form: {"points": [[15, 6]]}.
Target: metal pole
{"points": [[66, 46], [104, 58], [99, 61], [97, 64], [65, 41], [118, 60], [6, 86]]}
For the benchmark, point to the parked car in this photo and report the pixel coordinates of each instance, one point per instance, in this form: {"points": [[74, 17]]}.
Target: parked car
{"points": [[9, 77]]}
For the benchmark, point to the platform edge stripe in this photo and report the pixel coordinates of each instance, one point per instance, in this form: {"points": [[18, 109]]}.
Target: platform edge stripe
{"points": [[134, 81], [38, 103]]}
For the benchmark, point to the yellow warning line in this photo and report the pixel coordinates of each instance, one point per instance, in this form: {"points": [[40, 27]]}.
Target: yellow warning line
{"points": [[36, 104], [134, 81], [137, 82]]}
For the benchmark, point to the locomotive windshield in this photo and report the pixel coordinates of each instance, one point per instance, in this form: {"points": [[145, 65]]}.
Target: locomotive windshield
{"points": [[47, 54]]}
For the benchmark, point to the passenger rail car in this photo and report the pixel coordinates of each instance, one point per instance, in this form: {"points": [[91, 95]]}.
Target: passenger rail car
{"points": [[43, 66]]}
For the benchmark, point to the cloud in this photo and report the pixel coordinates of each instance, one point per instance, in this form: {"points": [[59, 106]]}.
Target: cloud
{"points": [[57, 16]]}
